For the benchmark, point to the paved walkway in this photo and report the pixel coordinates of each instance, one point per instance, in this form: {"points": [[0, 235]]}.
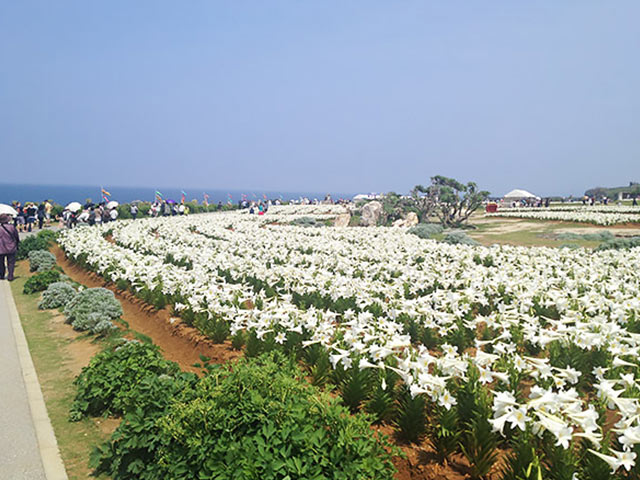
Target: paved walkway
{"points": [[28, 448]]}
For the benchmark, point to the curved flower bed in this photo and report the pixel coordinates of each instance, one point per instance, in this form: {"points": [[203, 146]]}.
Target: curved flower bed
{"points": [[550, 336], [595, 215]]}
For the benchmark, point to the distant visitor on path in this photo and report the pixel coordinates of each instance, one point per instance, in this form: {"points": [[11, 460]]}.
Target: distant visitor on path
{"points": [[9, 241]]}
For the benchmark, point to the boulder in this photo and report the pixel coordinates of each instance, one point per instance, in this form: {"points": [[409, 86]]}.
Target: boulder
{"points": [[411, 220], [342, 220], [398, 223], [371, 213]]}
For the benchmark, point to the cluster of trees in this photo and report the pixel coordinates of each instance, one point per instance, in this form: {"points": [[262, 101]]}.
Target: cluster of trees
{"points": [[446, 199]]}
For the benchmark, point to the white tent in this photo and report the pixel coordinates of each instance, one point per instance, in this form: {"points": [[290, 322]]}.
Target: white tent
{"points": [[515, 195]]}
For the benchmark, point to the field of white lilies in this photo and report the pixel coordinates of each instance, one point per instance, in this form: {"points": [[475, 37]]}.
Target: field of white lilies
{"points": [[540, 344], [598, 215]]}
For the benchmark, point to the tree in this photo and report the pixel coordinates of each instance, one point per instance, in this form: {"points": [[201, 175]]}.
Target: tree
{"points": [[394, 207], [450, 200]]}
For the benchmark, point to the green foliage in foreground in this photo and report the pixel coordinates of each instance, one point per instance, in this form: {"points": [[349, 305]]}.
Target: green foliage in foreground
{"points": [[41, 241], [41, 281], [255, 419], [111, 383]]}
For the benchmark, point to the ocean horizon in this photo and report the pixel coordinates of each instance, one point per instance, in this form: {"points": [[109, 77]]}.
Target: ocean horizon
{"points": [[63, 194]]}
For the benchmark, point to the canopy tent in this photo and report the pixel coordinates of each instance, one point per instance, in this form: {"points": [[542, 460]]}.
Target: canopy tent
{"points": [[517, 194]]}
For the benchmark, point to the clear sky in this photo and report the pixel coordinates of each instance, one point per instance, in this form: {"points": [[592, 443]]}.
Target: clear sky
{"points": [[321, 95]]}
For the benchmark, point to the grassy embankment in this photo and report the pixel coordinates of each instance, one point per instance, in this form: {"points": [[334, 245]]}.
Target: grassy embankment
{"points": [[57, 359]]}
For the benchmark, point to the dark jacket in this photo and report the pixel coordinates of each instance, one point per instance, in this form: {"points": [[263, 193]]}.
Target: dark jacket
{"points": [[9, 239]]}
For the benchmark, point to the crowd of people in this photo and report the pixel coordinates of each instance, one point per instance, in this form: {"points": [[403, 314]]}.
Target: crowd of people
{"points": [[29, 214]]}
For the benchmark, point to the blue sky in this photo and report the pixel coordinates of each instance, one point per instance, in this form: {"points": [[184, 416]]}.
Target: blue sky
{"points": [[321, 95]]}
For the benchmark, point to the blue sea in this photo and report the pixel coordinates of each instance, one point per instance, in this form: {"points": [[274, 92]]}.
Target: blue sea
{"points": [[63, 194]]}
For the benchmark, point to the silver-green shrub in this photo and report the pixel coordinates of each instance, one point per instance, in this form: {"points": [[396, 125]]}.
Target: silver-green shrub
{"points": [[58, 294], [94, 323], [91, 306], [425, 230], [459, 238], [41, 260]]}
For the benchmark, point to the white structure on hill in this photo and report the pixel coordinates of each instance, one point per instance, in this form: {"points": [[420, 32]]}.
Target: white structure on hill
{"points": [[517, 195]]}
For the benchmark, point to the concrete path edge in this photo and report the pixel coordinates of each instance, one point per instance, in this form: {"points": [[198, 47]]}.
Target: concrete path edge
{"points": [[47, 443]]}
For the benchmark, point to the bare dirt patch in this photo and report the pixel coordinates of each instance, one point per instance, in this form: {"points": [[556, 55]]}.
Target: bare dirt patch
{"points": [[79, 350], [178, 341]]}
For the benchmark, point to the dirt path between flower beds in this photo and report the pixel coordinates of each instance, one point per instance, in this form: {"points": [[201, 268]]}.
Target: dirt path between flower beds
{"points": [[179, 342]]}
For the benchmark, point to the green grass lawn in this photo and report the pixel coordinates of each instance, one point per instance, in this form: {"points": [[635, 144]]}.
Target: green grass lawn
{"points": [[50, 353], [538, 233]]}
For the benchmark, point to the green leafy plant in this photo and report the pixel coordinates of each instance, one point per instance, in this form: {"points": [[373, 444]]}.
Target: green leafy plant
{"points": [[42, 241], [479, 446], [108, 385], [238, 340], [443, 432], [410, 419], [41, 281], [354, 385], [263, 406]]}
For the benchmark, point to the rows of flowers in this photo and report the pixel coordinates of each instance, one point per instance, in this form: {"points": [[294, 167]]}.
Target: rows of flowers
{"points": [[594, 215], [549, 338], [579, 207]]}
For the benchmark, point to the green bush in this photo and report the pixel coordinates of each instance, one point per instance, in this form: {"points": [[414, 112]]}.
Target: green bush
{"points": [[41, 281], [619, 244], [459, 238], [604, 236], [108, 385], [131, 452], [305, 222], [58, 294], [256, 419], [41, 260], [425, 230], [91, 306], [264, 406], [41, 241]]}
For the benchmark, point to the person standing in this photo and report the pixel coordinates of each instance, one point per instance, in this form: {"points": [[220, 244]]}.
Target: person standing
{"points": [[9, 241], [47, 210], [42, 214], [31, 216], [134, 210]]}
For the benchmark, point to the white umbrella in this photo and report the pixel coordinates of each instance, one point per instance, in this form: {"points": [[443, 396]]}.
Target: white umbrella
{"points": [[7, 210], [112, 204], [73, 207]]}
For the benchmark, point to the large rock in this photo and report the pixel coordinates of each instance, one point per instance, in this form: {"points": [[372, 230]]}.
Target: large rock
{"points": [[342, 220], [398, 223], [411, 220], [371, 213]]}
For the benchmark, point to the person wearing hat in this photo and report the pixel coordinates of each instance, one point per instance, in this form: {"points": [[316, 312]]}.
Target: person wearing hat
{"points": [[9, 241]]}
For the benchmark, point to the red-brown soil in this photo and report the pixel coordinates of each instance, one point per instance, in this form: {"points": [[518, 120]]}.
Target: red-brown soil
{"points": [[178, 341]]}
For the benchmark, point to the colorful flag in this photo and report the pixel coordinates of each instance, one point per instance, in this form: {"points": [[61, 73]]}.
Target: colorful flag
{"points": [[184, 194], [105, 194], [158, 195]]}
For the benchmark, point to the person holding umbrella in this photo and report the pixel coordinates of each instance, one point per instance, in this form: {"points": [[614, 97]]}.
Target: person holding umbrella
{"points": [[9, 241]]}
